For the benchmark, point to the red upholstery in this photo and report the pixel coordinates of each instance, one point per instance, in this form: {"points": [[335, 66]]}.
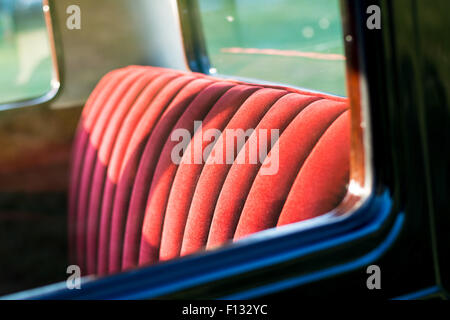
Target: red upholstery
{"points": [[130, 204]]}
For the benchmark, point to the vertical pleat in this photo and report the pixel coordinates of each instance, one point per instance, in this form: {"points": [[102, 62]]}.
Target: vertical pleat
{"points": [[268, 192], [216, 167], [162, 179], [188, 172], [322, 181], [153, 149], [242, 173], [97, 97], [138, 139], [102, 163], [94, 124]]}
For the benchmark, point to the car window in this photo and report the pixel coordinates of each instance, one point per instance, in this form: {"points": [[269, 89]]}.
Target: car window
{"points": [[293, 42], [25, 59]]}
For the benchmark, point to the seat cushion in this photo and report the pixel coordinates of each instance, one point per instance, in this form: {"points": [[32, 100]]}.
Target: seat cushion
{"points": [[167, 163]]}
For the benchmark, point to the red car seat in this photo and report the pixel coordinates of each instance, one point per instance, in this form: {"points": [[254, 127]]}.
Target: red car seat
{"points": [[130, 204]]}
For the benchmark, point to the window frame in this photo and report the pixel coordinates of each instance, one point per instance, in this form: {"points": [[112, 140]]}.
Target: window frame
{"points": [[196, 53], [363, 228]]}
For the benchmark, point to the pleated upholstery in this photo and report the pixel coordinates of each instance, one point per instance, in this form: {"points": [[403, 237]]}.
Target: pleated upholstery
{"points": [[131, 204]]}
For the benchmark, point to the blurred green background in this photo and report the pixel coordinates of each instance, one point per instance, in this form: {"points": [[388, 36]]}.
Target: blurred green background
{"points": [[311, 26], [25, 61]]}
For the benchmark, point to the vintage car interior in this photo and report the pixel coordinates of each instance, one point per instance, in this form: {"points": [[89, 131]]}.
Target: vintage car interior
{"points": [[210, 149], [129, 204]]}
